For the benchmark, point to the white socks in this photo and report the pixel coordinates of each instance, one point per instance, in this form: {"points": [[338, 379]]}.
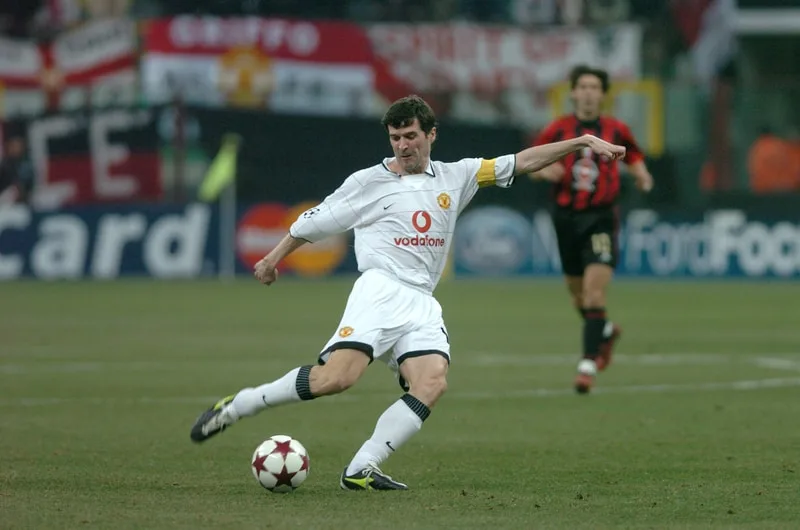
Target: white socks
{"points": [[402, 420], [395, 427], [587, 367], [290, 388]]}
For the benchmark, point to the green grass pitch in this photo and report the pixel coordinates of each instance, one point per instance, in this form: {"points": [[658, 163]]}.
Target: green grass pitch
{"points": [[695, 425]]}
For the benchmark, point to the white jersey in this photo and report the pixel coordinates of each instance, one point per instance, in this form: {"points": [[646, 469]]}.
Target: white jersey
{"points": [[403, 225]]}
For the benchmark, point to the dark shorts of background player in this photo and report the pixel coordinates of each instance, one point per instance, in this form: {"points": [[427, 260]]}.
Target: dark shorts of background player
{"points": [[586, 237]]}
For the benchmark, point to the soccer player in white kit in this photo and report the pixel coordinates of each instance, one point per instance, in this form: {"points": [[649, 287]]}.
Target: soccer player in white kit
{"points": [[403, 211]]}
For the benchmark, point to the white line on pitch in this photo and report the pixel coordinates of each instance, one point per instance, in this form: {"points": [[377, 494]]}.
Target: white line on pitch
{"points": [[648, 359], [754, 384], [743, 385], [483, 359], [777, 363]]}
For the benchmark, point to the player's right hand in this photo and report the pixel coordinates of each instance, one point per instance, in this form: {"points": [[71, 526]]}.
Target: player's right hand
{"points": [[265, 272], [606, 149]]}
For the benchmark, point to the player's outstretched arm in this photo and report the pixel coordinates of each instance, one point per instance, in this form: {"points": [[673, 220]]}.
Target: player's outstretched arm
{"points": [[536, 158], [338, 213], [266, 270], [552, 173]]}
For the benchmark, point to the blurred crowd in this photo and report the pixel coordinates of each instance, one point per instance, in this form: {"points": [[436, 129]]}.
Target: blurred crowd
{"points": [[545, 12], [41, 18], [687, 40]]}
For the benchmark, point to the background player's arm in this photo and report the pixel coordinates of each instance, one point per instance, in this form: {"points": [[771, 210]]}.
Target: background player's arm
{"points": [[635, 160], [642, 176]]}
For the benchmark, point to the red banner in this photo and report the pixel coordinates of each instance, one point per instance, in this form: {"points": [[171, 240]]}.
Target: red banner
{"points": [[92, 64], [297, 40], [485, 58], [345, 69], [285, 65], [108, 156]]}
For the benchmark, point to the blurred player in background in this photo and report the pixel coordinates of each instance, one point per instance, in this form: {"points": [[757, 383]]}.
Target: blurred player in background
{"points": [[403, 211], [585, 216], [16, 172]]}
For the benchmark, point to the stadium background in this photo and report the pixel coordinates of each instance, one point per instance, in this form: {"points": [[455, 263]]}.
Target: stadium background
{"points": [[122, 108], [126, 114]]}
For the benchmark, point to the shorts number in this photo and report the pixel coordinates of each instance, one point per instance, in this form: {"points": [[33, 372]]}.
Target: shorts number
{"points": [[601, 244]]}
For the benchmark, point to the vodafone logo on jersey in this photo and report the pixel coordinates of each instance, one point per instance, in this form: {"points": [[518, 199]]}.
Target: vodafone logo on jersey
{"points": [[421, 221]]}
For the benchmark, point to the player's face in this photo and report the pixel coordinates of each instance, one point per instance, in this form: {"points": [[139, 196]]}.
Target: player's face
{"points": [[15, 147], [412, 147], [588, 96]]}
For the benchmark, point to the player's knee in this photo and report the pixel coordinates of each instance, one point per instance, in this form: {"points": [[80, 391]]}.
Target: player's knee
{"points": [[575, 286], [329, 380], [427, 377], [577, 300], [429, 388], [342, 371], [594, 298]]}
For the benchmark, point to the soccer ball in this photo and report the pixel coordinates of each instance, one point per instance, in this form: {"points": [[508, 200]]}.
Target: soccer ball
{"points": [[280, 464]]}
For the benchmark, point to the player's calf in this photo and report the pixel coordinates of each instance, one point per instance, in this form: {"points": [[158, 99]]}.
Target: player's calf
{"points": [[595, 324], [402, 420], [611, 335], [305, 383], [575, 286], [430, 389], [596, 360], [427, 378], [292, 387]]}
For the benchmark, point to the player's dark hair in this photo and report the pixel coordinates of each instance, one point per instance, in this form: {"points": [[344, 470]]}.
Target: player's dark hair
{"points": [[582, 70], [403, 111]]}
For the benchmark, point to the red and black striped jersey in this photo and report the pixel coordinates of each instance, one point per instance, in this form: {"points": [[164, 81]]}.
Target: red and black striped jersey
{"points": [[590, 181]]}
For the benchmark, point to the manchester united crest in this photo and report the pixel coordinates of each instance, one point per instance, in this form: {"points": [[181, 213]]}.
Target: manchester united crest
{"points": [[444, 201]]}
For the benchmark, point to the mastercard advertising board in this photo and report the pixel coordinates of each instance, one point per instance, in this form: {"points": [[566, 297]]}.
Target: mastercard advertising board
{"points": [[167, 241], [262, 226]]}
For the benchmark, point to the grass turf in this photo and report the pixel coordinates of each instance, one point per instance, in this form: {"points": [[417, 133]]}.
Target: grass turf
{"points": [[694, 425]]}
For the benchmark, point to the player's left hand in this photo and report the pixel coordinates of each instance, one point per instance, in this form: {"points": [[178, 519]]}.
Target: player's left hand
{"points": [[644, 182], [265, 271], [606, 149]]}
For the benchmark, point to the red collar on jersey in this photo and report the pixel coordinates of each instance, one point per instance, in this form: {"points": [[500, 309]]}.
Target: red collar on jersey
{"points": [[428, 171]]}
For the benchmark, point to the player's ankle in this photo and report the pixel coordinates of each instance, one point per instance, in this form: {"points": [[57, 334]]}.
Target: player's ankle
{"points": [[587, 366], [230, 411]]}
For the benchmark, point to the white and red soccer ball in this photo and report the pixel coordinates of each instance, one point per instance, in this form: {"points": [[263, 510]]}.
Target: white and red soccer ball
{"points": [[280, 464]]}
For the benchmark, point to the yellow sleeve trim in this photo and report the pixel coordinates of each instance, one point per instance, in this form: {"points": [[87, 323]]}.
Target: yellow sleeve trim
{"points": [[485, 175]]}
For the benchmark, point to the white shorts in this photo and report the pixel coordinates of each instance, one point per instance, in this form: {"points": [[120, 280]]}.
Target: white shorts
{"points": [[390, 321]]}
